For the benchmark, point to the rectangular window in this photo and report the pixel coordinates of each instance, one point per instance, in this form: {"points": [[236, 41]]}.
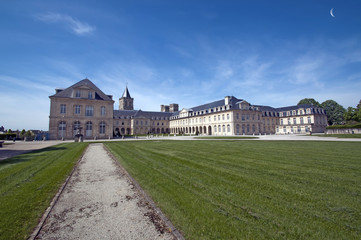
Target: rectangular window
{"points": [[89, 111], [281, 121], [301, 120], [77, 94], [77, 109], [102, 111], [89, 129], [90, 95], [102, 128], [309, 119], [62, 108]]}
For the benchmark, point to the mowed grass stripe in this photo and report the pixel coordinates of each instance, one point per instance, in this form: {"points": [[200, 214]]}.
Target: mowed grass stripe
{"points": [[28, 183], [251, 190]]}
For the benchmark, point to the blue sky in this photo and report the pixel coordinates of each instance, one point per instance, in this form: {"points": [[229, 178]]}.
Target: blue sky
{"points": [[178, 51]]}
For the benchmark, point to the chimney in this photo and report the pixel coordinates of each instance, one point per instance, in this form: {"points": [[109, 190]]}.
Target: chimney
{"points": [[227, 100], [164, 108], [173, 107], [58, 90]]}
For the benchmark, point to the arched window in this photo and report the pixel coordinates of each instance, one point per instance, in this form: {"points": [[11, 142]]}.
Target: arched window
{"points": [[228, 128], [219, 128], [89, 129], [62, 129], [102, 127]]}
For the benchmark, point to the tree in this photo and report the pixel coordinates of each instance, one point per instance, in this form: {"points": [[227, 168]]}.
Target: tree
{"points": [[22, 133], [358, 112], [334, 111], [353, 114], [311, 101], [350, 114]]}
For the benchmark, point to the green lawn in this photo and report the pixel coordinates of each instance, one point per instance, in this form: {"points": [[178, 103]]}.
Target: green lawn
{"points": [[251, 189], [227, 137], [341, 135], [28, 183]]}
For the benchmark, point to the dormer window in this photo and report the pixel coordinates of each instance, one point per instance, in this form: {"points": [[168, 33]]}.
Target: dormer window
{"points": [[90, 95], [77, 94]]}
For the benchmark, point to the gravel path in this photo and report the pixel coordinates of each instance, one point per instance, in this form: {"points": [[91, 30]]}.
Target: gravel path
{"points": [[99, 202]]}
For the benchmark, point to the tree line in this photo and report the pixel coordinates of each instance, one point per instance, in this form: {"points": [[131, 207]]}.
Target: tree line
{"points": [[336, 114]]}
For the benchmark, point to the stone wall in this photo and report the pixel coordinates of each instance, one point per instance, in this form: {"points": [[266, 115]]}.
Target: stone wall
{"points": [[343, 131]]}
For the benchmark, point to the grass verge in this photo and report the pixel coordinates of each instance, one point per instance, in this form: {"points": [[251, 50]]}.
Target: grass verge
{"points": [[251, 190], [341, 135], [29, 182], [227, 137]]}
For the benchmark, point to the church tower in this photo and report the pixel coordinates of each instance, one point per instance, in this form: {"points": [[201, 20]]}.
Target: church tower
{"points": [[126, 101]]}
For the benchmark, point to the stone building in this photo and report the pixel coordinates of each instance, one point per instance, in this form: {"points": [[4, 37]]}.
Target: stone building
{"points": [[232, 116], [83, 108], [303, 118]]}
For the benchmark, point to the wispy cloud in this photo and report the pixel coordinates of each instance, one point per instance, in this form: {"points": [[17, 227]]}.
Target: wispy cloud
{"points": [[76, 26]]}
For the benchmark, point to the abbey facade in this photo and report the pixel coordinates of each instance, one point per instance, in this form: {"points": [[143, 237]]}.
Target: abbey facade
{"points": [[84, 109]]}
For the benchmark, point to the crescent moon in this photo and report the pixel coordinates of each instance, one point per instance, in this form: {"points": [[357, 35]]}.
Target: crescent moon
{"points": [[331, 12]]}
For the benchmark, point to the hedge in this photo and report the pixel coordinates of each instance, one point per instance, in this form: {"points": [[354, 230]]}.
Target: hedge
{"points": [[6, 136], [344, 126]]}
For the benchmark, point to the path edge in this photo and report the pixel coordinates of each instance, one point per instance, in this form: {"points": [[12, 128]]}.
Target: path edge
{"points": [[55, 199], [171, 228]]}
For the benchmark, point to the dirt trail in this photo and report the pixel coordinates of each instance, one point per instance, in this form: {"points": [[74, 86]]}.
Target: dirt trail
{"points": [[99, 202]]}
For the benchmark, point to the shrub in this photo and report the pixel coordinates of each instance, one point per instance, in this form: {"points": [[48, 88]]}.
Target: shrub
{"points": [[344, 126]]}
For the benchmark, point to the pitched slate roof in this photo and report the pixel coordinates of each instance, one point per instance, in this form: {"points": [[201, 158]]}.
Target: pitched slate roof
{"points": [[266, 108], [139, 114], [295, 107], [68, 92], [233, 100]]}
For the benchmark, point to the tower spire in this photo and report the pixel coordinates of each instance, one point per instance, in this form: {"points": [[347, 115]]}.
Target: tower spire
{"points": [[126, 93], [126, 101]]}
